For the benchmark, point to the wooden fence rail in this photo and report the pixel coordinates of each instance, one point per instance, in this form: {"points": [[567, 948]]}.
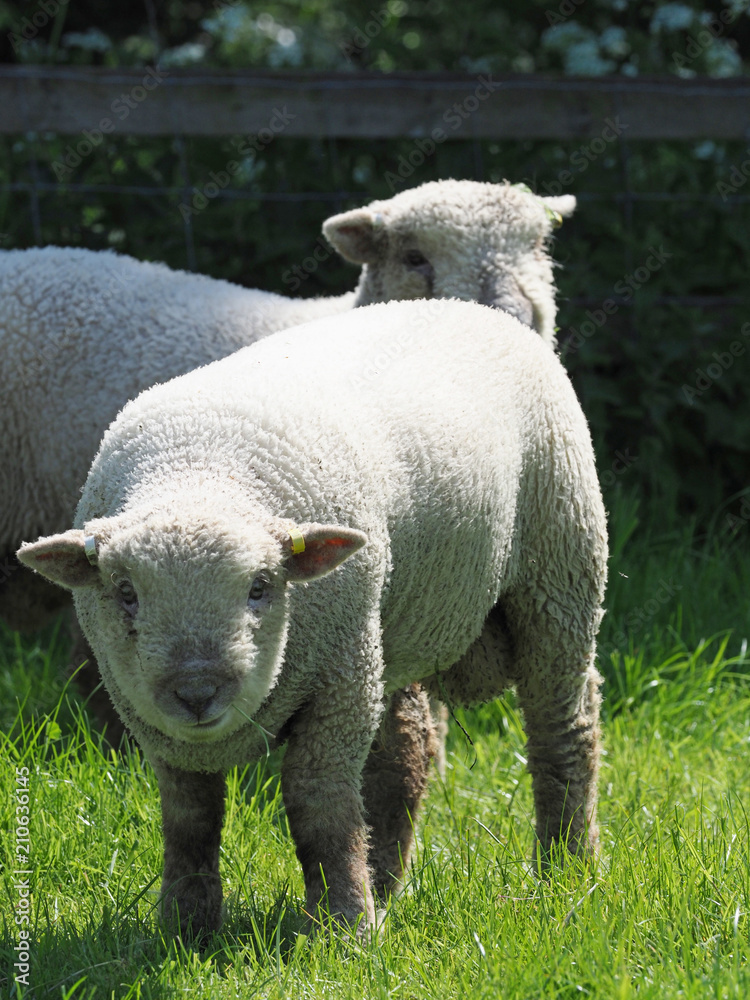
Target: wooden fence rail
{"points": [[424, 106]]}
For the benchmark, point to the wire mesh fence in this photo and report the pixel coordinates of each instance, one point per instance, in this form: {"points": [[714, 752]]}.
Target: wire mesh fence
{"points": [[197, 187]]}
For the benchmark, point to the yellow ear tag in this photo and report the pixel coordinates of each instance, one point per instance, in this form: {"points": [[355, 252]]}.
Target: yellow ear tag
{"points": [[298, 541], [555, 218]]}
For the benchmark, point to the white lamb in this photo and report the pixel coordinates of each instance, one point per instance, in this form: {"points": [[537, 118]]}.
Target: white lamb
{"points": [[81, 333], [456, 484]]}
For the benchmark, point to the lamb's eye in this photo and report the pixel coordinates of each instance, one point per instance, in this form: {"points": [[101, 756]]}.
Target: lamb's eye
{"points": [[128, 597], [258, 588], [416, 260]]}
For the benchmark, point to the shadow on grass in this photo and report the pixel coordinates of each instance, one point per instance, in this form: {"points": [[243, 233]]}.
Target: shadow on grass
{"points": [[127, 953]]}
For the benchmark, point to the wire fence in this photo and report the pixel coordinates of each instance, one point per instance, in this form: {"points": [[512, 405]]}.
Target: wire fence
{"points": [[573, 114], [36, 188]]}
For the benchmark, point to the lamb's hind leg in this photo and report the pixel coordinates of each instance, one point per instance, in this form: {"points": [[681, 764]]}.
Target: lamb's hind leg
{"points": [[394, 781], [558, 689], [547, 652], [563, 757], [396, 773]]}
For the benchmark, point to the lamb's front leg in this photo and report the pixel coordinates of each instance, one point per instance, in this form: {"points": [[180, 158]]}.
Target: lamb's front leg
{"points": [[394, 782], [321, 777], [192, 813]]}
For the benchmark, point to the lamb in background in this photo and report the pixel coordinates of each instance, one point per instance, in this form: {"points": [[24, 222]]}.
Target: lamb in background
{"points": [[81, 333], [455, 488], [477, 242]]}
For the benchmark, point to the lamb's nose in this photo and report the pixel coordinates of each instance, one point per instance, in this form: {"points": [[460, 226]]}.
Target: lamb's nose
{"points": [[196, 695]]}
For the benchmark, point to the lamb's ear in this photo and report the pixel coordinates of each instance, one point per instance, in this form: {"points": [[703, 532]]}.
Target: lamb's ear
{"points": [[316, 549], [356, 234], [68, 559], [560, 207]]}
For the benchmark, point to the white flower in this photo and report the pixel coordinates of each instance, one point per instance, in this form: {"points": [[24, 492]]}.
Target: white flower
{"points": [[672, 17], [614, 42], [560, 36], [704, 150], [579, 48], [183, 55], [93, 39], [722, 59], [228, 23], [584, 59]]}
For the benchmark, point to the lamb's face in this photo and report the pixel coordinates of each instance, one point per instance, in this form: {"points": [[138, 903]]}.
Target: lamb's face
{"points": [[456, 239], [187, 610], [190, 620]]}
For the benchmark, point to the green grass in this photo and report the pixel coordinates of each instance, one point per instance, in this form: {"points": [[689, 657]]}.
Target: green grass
{"points": [[665, 913]]}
